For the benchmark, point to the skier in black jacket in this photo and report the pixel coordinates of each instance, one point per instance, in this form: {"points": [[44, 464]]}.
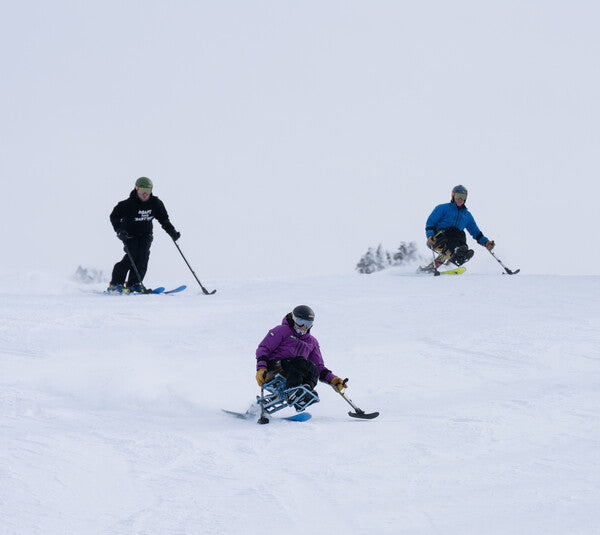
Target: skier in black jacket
{"points": [[132, 221]]}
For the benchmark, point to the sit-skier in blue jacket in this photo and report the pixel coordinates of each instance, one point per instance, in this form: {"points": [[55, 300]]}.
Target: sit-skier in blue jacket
{"points": [[449, 221]]}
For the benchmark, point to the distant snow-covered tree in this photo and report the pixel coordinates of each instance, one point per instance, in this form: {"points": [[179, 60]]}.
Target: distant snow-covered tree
{"points": [[381, 258], [407, 252], [378, 259], [367, 263], [87, 275]]}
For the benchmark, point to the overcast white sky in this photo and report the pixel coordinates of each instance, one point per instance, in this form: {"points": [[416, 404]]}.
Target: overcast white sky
{"points": [[286, 137]]}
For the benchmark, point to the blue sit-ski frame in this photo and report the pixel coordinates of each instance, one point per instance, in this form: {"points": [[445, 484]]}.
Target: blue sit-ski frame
{"points": [[276, 395]]}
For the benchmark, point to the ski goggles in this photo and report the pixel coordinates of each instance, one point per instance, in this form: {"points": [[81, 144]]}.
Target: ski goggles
{"points": [[144, 191], [302, 323], [461, 196]]}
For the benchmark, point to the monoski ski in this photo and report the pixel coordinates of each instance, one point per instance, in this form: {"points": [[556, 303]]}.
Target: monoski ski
{"points": [[300, 417], [456, 271]]}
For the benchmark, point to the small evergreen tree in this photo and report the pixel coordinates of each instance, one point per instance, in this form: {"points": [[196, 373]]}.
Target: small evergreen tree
{"points": [[406, 253], [381, 258], [378, 259], [87, 275], [367, 263]]}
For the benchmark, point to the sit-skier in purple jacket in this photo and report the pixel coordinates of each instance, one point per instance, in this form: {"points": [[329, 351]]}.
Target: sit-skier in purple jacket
{"points": [[291, 349]]}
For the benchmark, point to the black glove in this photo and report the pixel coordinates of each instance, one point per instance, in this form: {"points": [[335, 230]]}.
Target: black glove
{"points": [[175, 235], [123, 235]]}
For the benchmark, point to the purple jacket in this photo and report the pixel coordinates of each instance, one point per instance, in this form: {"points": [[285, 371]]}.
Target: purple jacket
{"points": [[283, 342]]}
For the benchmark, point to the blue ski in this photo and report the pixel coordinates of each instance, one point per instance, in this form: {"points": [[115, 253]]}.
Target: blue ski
{"points": [[300, 417], [158, 290], [176, 290]]}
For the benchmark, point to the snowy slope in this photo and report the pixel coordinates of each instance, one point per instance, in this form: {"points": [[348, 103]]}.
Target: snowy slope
{"points": [[487, 386]]}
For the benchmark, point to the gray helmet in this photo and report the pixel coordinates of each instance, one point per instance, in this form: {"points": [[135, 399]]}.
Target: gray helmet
{"points": [[459, 189]]}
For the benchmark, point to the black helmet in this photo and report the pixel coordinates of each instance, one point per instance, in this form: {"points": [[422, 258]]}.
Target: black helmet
{"points": [[459, 189], [303, 315]]}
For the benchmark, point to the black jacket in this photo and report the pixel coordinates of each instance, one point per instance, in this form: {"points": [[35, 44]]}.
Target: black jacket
{"points": [[135, 216]]}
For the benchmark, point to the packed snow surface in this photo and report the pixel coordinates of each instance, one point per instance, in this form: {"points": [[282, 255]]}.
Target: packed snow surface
{"points": [[487, 386]]}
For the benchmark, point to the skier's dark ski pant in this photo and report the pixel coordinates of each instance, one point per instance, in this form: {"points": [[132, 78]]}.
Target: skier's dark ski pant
{"points": [[297, 371], [300, 371], [139, 247], [451, 238]]}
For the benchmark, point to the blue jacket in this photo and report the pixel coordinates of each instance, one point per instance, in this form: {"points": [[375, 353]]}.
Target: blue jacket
{"points": [[449, 215]]}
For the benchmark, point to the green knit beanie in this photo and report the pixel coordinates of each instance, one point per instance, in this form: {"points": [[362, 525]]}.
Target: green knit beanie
{"points": [[143, 182]]}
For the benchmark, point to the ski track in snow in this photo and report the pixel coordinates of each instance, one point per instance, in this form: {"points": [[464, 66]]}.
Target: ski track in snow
{"points": [[487, 386]]}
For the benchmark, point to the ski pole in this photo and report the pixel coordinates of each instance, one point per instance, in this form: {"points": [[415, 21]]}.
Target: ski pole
{"points": [[263, 419], [500, 262], [134, 266], [204, 290], [436, 273], [358, 413]]}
